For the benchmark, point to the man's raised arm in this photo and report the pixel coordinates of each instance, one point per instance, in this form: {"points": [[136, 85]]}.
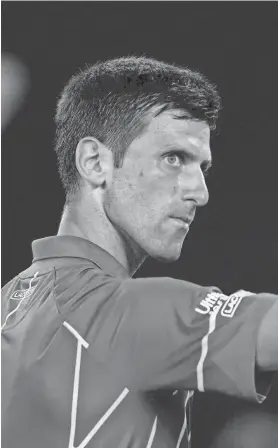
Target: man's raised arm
{"points": [[267, 345]]}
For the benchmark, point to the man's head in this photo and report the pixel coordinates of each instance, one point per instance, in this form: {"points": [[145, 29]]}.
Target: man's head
{"points": [[136, 132]]}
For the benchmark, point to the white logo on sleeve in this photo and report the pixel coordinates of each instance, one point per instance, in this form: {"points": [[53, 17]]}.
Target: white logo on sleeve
{"points": [[20, 294], [211, 303], [233, 302], [215, 301]]}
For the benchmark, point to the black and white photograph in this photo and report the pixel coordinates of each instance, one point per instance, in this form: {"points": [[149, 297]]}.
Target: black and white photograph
{"points": [[139, 302]]}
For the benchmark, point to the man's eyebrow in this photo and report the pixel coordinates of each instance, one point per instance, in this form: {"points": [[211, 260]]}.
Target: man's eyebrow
{"points": [[182, 150]]}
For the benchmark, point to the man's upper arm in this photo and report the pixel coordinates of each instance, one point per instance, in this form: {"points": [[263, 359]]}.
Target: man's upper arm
{"points": [[175, 334], [267, 345], [162, 333]]}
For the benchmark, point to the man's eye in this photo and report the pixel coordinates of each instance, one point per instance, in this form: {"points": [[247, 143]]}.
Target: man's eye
{"points": [[173, 159]]}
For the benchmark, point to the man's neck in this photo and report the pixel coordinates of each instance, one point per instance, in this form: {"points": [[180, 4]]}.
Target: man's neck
{"points": [[101, 232]]}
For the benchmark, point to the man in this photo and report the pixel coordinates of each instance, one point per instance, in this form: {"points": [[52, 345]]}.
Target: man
{"points": [[92, 357]]}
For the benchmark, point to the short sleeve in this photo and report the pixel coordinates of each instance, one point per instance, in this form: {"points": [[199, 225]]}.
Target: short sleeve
{"points": [[228, 360], [163, 333]]}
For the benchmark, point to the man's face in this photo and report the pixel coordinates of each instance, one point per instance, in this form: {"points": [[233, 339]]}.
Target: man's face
{"points": [[160, 185]]}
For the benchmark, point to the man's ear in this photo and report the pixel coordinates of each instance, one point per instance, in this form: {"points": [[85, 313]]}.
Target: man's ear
{"points": [[93, 161]]}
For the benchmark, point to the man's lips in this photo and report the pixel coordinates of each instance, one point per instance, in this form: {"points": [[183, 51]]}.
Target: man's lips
{"points": [[182, 222], [184, 219]]}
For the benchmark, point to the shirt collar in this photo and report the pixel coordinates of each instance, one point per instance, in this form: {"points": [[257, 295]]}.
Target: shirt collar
{"points": [[67, 246]]}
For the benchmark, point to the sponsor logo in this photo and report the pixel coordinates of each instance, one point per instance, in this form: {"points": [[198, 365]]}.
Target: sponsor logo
{"points": [[214, 301], [22, 294], [211, 303], [232, 304]]}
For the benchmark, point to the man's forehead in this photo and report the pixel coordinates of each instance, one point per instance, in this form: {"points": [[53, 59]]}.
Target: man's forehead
{"points": [[169, 129]]}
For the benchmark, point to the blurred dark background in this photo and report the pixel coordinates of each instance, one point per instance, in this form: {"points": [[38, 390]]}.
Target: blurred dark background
{"points": [[234, 243]]}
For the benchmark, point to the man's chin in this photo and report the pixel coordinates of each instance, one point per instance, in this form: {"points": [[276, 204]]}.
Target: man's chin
{"points": [[168, 259], [166, 256]]}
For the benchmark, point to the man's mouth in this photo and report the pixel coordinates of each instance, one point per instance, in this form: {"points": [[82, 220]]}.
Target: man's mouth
{"points": [[181, 222]]}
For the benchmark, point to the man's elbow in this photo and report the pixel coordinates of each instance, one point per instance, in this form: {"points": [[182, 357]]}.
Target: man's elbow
{"points": [[267, 343]]}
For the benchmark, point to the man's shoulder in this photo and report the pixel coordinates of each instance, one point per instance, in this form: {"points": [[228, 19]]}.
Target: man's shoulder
{"points": [[60, 278], [89, 276], [162, 287]]}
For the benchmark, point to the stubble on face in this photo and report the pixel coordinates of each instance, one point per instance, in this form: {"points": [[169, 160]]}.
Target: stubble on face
{"points": [[145, 192]]}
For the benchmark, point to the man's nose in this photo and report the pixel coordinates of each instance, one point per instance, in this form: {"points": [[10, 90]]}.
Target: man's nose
{"points": [[194, 187]]}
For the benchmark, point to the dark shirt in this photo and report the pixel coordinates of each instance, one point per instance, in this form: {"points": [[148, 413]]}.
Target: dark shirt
{"points": [[92, 358]]}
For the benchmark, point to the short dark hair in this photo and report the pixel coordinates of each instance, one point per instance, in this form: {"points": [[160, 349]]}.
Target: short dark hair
{"points": [[109, 101]]}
